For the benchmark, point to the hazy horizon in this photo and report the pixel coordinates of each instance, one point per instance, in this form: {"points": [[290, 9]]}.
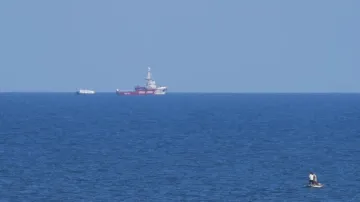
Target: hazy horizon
{"points": [[192, 46], [175, 92]]}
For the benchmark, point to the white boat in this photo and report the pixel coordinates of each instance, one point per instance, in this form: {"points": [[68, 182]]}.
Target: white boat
{"points": [[319, 185], [85, 92]]}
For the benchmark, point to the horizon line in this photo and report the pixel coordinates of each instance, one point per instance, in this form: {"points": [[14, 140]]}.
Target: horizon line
{"points": [[204, 92]]}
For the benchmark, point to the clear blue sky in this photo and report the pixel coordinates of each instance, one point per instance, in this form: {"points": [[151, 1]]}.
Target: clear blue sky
{"points": [[191, 45]]}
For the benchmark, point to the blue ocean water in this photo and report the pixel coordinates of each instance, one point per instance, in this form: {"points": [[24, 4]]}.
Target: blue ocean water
{"points": [[179, 147]]}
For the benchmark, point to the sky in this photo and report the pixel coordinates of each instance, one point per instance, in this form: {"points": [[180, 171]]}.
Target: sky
{"points": [[191, 45]]}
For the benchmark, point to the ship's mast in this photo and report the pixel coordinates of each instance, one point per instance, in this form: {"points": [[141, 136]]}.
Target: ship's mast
{"points": [[148, 77], [149, 82]]}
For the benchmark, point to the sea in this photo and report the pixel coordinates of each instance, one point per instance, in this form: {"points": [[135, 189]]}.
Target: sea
{"points": [[179, 147]]}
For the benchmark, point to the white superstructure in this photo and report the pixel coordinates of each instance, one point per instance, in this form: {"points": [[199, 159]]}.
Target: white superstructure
{"points": [[151, 84], [85, 91]]}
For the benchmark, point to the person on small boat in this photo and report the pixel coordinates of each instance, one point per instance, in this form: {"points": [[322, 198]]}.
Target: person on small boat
{"points": [[311, 178]]}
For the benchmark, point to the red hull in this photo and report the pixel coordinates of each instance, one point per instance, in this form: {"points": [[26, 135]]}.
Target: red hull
{"points": [[136, 92]]}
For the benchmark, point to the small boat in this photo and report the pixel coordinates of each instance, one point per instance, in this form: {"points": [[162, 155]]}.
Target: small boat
{"points": [[85, 92], [319, 185]]}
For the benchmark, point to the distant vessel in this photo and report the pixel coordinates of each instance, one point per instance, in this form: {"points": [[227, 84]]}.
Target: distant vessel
{"points": [[85, 92], [150, 88]]}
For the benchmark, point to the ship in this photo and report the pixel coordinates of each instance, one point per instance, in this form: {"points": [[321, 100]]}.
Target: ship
{"points": [[85, 92], [150, 88]]}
